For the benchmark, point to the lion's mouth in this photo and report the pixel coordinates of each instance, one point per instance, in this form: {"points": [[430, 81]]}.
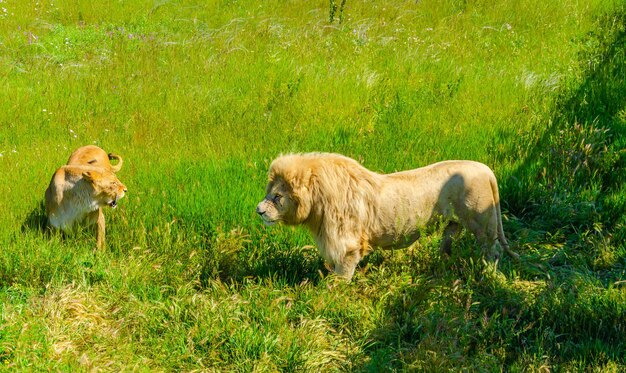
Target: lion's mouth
{"points": [[113, 204], [269, 223]]}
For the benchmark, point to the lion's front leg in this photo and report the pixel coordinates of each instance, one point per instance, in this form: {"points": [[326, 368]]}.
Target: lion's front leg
{"points": [[452, 231], [345, 268]]}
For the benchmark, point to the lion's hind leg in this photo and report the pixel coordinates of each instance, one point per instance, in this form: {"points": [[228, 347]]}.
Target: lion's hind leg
{"points": [[484, 227]]}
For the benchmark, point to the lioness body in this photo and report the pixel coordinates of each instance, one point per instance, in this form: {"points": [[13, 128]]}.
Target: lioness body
{"points": [[79, 190], [68, 184], [350, 209]]}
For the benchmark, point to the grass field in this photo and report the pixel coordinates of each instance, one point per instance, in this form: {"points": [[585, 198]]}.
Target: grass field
{"points": [[199, 96]]}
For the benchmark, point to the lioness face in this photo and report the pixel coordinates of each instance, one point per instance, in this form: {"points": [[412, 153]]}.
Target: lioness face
{"points": [[279, 205], [107, 187]]}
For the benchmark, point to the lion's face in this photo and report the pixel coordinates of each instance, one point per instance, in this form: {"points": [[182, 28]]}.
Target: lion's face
{"points": [[280, 204], [108, 189]]}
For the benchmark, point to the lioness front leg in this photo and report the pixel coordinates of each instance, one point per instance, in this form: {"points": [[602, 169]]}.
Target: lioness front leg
{"points": [[101, 230]]}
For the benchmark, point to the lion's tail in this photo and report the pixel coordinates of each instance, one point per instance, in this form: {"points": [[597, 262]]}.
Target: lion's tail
{"points": [[118, 166], [500, 229]]}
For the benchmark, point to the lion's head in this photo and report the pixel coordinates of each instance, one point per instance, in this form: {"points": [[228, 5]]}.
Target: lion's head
{"points": [[108, 189], [288, 193]]}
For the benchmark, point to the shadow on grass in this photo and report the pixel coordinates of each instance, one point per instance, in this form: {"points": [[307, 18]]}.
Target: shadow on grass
{"points": [[291, 266], [36, 219], [472, 318], [236, 256], [570, 177], [569, 192]]}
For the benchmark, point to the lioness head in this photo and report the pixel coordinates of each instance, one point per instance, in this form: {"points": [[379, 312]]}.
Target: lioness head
{"points": [[287, 195], [108, 189]]}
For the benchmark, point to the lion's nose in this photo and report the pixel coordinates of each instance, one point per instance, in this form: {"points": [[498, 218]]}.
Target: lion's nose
{"points": [[260, 211]]}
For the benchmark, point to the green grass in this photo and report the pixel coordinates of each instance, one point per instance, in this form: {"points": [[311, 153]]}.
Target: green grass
{"points": [[199, 97]]}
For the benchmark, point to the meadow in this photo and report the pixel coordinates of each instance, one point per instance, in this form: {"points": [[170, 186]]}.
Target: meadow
{"points": [[199, 96]]}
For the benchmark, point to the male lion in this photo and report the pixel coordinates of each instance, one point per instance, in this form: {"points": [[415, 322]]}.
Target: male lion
{"points": [[350, 209], [79, 190]]}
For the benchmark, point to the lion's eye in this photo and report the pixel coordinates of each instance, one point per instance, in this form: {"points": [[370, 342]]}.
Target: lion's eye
{"points": [[277, 198]]}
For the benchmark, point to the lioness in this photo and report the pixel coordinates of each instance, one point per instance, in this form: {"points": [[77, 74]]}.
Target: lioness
{"points": [[79, 190], [349, 209]]}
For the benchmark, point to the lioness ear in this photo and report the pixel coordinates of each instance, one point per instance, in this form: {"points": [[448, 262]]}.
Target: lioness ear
{"points": [[91, 175]]}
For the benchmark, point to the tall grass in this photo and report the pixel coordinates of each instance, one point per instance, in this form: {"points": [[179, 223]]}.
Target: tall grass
{"points": [[199, 97]]}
